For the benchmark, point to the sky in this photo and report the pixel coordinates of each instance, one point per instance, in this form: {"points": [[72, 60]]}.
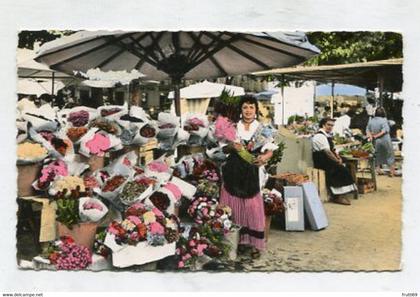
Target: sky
{"points": [[340, 89]]}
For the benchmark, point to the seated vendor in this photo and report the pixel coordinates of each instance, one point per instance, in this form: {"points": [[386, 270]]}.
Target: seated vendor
{"points": [[338, 177]]}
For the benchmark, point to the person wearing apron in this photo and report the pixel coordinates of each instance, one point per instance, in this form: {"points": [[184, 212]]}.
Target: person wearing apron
{"points": [[338, 177]]}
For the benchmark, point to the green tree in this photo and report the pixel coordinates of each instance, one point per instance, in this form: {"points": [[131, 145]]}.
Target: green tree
{"points": [[352, 47], [28, 38]]}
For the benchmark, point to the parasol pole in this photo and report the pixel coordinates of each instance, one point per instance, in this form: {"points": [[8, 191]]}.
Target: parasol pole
{"points": [[282, 100], [332, 99], [52, 89], [177, 94]]}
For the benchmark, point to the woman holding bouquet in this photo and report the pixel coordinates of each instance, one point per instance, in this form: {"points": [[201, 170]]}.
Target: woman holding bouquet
{"points": [[244, 175]]}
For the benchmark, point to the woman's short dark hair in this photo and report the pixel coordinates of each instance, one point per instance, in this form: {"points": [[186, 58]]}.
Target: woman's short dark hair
{"points": [[249, 99], [323, 121], [380, 112]]}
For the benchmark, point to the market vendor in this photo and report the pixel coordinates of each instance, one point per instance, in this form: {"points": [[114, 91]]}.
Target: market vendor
{"points": [[244, 175], [338, 177]]}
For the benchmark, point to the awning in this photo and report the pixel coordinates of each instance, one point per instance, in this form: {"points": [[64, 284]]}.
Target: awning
{"points": [[366, 74]]}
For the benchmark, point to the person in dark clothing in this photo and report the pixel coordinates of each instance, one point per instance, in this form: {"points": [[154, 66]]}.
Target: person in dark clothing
{"points": [[338, 177]]}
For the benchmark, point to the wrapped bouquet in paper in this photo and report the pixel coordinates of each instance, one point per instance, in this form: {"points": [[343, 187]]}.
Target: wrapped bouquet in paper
{"points": [[57, 143], [96, 142], [137, 189], [29, 153], [67, 187], [168, 125], [51, 170], [106, 125], [42, 119], [196, 124], [113, 112], [80, 116], [91, 209], [159, 170], [145, 235], [188, 190], [139, 134], [136, 115]]}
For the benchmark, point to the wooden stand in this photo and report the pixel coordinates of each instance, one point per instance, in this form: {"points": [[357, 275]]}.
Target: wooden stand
{"points": [[317, 176]]}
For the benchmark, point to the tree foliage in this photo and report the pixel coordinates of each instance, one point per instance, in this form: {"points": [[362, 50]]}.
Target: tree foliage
{"points": [[28, 38], [352, 47]]}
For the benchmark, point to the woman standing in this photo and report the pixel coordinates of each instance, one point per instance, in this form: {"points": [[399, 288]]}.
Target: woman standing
{"points": [[244, 175], [377, 131]]}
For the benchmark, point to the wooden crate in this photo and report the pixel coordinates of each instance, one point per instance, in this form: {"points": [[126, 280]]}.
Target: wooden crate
{"points": [[317, 176], [365, 185], [145, 152]]}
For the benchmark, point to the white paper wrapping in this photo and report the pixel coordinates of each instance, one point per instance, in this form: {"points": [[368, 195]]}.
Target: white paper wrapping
{"points": [[115, 116], [142, 253], [187, 189], [91, 215], [167, 118]]}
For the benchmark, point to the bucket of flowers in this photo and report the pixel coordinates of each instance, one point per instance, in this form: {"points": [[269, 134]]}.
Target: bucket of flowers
{"points": [[65, 254]]}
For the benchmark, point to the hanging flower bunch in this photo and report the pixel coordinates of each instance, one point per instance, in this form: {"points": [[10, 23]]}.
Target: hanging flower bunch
{"points": [[65, 254]]}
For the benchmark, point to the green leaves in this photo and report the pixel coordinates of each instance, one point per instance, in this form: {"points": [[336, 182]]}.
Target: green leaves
{"points": [[68, 212], [353, 47]]}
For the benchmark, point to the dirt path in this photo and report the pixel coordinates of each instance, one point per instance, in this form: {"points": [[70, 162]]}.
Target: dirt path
{"points": [[365, 236]]}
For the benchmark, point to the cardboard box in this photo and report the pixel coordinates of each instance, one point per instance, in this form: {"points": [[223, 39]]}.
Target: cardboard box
{"points": [[313, 207], [294, 218]]}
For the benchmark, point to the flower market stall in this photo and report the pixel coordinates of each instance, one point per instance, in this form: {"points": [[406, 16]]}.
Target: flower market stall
{"points": [[115, 207], [105, 207]]}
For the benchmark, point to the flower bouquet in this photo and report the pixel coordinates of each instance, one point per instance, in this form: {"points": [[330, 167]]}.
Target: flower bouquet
{"points": [[66, 254], [159, 170], [78, 118], [200, 244], [136, 190], [225, 130], [106, 125], [29, 157], [273, 202], [168, 125], [50, 171], [196, 124], [113, 112], [28, 153], [91, 209], [42, 118], [75, 133], [145, 235], [67, 187], [208, 188], [97, 143]]}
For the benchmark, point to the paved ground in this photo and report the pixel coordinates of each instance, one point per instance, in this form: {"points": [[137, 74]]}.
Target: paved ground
{"points": [[365, 236]]}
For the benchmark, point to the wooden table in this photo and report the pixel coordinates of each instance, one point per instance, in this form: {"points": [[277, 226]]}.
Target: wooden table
{"points": [[354, 165]]}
